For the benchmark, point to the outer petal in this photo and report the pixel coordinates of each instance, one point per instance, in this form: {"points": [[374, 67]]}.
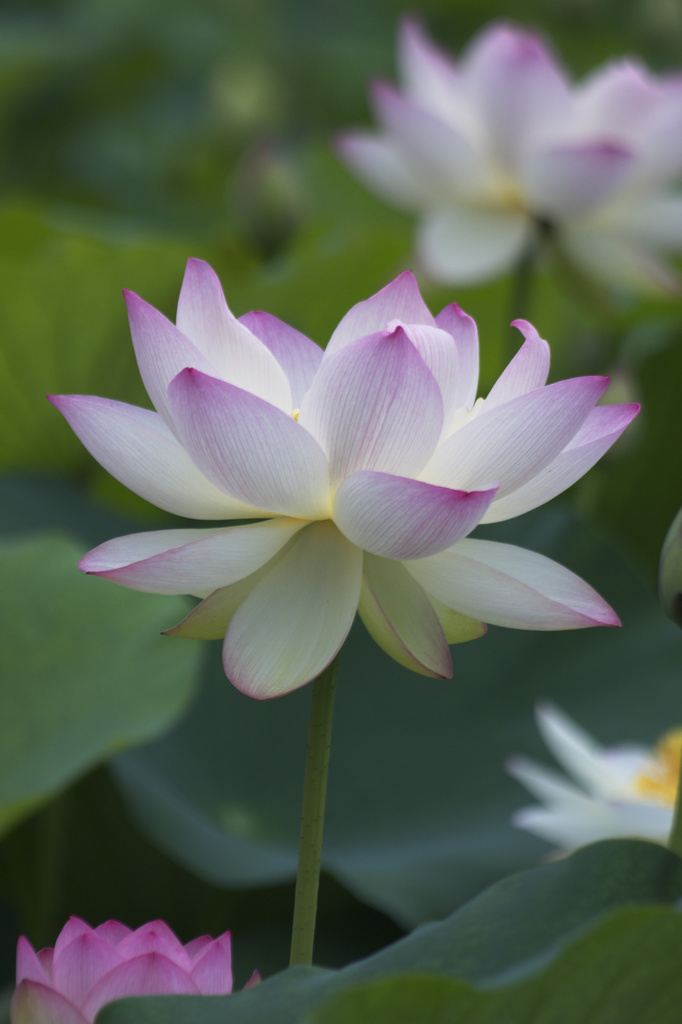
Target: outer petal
{"points": [[33, 1003], [399, 300], [147, 975], [620, 98], [603, 426], [137, 448], [113, 932], [527, 371], [400, 618], [249, 447], [595, 820], [239, 357], [381, 168], [509, 586], [569, 179], [460, 244], [212, 970], [375, 405], [463, 329], [437, 153], [29, 967], [161, 351], [298, 356], [189, 561], [396, 517], [515, 441], [81, 964], [294, 621], [618, 258], [156, 937], [429, 75], [517, 86]]}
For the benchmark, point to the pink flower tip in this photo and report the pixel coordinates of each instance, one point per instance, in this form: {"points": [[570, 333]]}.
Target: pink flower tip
{"points": [[90, 967]]}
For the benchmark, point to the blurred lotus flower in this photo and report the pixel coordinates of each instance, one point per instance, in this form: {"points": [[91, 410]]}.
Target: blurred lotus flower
{"points": [[670, 571], [499, 146], [614, 792], [89, 967], [368, 464]]}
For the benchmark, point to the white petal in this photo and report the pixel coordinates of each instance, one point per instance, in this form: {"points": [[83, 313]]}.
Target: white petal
{"points": [[527, 371], [465, 245], [399, 617], [399, 300], [239, 357], [566, 180], [381, 168], [463, 329], [510, 586], [298, 356], [294, 621], [617, 259]]}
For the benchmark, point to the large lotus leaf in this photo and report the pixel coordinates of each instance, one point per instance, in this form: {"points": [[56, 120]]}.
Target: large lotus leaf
{"points": [[84, 671], [419, 805], [558, 934]]}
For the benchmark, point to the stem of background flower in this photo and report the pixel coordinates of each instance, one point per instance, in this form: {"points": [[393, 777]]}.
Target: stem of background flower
{"points": [[675, 840], [312, 816], [521, 294]]}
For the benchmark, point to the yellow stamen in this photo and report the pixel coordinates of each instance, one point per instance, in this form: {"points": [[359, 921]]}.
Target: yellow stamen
{"points": [[659, 781], [296, 413]]}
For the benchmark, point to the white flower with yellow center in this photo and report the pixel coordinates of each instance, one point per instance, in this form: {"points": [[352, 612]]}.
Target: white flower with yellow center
{"points": [[613, 792]]}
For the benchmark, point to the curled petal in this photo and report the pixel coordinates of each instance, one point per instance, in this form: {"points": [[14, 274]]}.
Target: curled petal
{"points": [[238, 356], [515, 441], [295, 619], [527, 371], [397, 517], [249, 447], [298, 356], [189, 561], [603, 426], [464, 245], [137, 448], [400, 618], [375, 405], [509, 586], [399, 300], [464, 332]]}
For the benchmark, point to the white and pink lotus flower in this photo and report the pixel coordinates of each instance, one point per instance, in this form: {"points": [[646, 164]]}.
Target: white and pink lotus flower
{"points": [[368, 465], [89, 967], [488, 149], [621, 792]]}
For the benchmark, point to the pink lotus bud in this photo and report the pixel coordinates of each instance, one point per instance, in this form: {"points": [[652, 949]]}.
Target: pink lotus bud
{"points": [[89, 967]]}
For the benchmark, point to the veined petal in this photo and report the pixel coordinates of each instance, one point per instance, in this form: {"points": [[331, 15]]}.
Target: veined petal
{"points": [[397, 517], [33, 1003], [375, 160], [112, 932], [156, 937], [239, 356], [137, 448], [249, 447], [509, 586], [440, 352], [458, 628], [147, 975], [298, 356], [294, 621], [29, 967], [399, 617], [161, 350], [436, 152], [81, 964], [513, 442], [460, 244], [568, 179], [212, 970], [527, 371], [517, 86], [375, 405], [463, 329], [189, 561], [603, 426], [399, 300]]}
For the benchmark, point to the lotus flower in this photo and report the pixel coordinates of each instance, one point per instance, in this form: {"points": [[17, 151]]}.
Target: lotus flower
{"points": [[367, 465], [614, 792], [89, 967], [500, 145]]}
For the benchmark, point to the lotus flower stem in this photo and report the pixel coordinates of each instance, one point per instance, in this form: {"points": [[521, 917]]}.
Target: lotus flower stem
{"points": [[312, 816]]}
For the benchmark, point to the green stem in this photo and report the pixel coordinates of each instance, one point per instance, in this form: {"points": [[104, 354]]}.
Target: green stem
{"points": [[312, 816], [675, 840], [525, 272]]}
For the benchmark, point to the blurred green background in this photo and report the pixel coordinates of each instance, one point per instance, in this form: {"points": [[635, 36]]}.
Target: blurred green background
{"points": [[137, 133]]}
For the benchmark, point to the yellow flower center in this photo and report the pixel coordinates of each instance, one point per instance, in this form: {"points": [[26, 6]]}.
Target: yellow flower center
{"points": [[296, 413], [659, 781]]}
